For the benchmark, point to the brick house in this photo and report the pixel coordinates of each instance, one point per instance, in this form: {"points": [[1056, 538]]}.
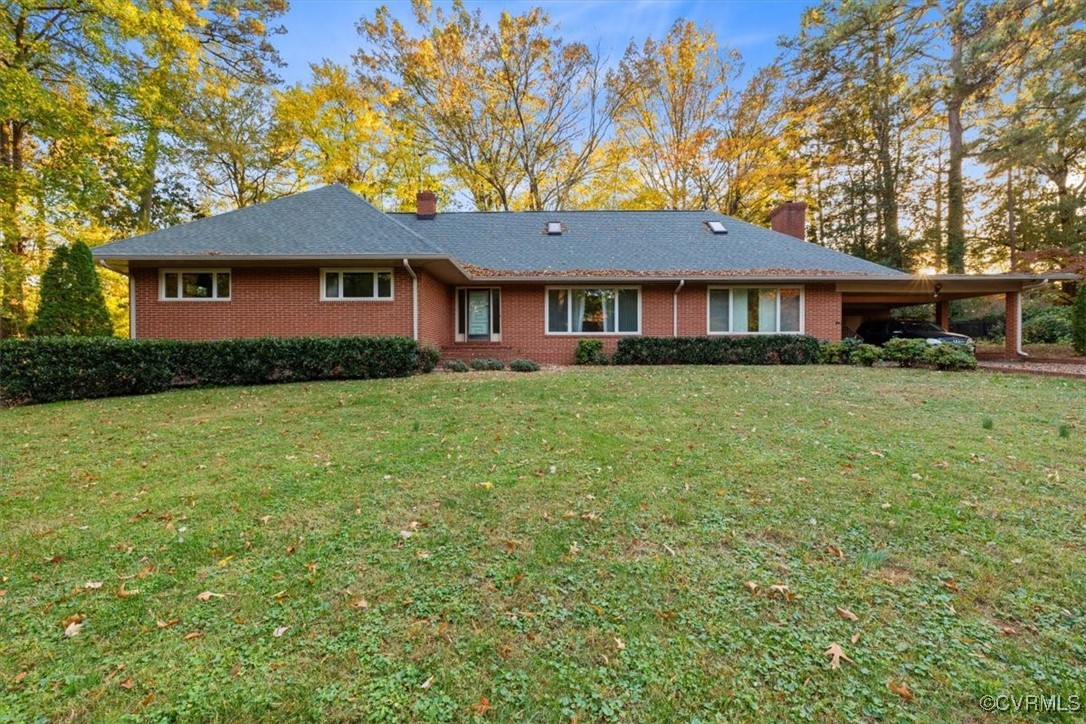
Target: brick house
{"points": [[509, 284]]}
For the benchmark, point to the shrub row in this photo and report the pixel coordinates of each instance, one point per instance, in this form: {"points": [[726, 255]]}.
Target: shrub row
{"points": [[48, 369], [905, 352], [776, 349]]}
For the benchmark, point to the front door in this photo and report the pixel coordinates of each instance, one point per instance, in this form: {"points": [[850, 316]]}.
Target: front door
{"points": [[479, 314]]}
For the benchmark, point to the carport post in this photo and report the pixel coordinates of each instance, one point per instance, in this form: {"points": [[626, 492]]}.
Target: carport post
{"points": [[942, 314], [1014, 325]]}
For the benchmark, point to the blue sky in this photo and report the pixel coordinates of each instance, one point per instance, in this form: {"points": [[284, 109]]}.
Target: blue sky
{"points": [[318, 29]]}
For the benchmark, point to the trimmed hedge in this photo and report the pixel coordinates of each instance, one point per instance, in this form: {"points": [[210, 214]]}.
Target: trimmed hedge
{"points": [[48, 369], [524, 365], [770, 349], [487, 363]]}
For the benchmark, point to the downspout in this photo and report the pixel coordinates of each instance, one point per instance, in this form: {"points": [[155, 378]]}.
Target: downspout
{"points": [[131, 305], [414, 301], [675, 309]]}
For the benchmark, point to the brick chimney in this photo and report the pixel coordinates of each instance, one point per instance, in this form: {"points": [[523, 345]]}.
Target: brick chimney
{"points": [[791, 219], [427, 204]]}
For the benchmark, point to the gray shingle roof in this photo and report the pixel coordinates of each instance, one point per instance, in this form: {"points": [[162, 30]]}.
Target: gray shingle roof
{"points": [[635, 241], [329, 221], [334, 222]]}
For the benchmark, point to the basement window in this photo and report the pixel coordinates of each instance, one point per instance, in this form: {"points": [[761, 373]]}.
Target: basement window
{"points": [[716, 227], [554, 228]]}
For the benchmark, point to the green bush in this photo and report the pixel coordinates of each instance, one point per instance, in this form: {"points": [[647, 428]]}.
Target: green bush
{"points": [[1078, 320], [866, 355], [456, 365], [1047, 325], [47, 369], [906, 352], [523, 365], [428, 358], [71, 297], [950, 357], [590, 352], [487, 363], [770, 349], [839, 353]]}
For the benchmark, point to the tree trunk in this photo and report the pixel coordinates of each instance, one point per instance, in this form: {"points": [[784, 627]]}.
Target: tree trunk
{"points": [[955, 213], [147, 181]]}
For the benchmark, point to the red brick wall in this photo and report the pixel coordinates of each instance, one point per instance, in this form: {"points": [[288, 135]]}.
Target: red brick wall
{"points": [[437, 311], [286, 302], [280, 302], [523, 321], [822, 312]]}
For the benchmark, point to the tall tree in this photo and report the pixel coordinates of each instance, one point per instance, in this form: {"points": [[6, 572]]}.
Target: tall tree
{"points": [[236, 149], [514, 113], [985, 41], [854, 67], [344, 137], [676, 96]]}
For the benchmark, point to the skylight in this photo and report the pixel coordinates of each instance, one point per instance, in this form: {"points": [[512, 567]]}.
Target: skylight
{"points": [[716, 227], [554, 228]]}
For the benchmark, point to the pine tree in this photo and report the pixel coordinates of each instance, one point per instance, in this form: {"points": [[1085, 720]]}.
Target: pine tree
{"points": [[1078, 321], [71, 297]]}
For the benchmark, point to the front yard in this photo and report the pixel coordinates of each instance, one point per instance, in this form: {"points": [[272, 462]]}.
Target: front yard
{"points": [[648, 544]]}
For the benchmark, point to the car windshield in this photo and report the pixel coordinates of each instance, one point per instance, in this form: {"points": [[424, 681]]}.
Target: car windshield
{"points": [[917, 327]]}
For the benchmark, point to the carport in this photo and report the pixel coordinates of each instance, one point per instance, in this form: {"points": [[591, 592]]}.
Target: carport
{"points": [[875, 298]]}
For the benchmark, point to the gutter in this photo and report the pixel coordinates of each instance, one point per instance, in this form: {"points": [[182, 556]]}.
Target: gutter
{"points": [[414, 300], [675, 309]]}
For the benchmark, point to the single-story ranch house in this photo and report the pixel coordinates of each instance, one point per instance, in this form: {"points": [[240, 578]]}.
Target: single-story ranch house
{"points": [[511, 284]]}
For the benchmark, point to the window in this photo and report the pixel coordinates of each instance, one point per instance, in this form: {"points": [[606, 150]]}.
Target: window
{"points": [[478, 315], [717, 227], [606, 310], [340, 284], [554, 228], [194, 285], [755, 310]]}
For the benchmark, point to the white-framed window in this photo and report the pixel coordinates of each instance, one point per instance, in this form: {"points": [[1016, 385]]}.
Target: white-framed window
{"points": [[478, 314], [356, 284], [755, 310], [593, 310], [194, 285]]}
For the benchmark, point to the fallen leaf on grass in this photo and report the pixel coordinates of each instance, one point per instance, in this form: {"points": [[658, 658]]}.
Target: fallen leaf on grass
{"points": [[236, 671], [54, 559], [1008, 630], [751, 586], [950, 585], [836, 654], [901, 690], [193, 635], [834, 550], [360, 603], [72, 629], [92, 585], [280, 631], [846, 614], [620, 644], [224, 561], [855, 637], [74, 618], [19, 677], [428, 683], [208, 595], [127, 593], [127, 684], [481, 707], [146, 701], [166, 624]]}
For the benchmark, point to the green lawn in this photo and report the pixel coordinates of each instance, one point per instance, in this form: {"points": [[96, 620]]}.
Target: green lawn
{"points": [[548, 546]]}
